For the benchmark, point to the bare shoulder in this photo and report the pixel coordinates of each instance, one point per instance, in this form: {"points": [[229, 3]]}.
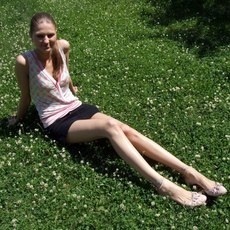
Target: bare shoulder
{"points": [[21, 65], [21, 60], [64, 44]]}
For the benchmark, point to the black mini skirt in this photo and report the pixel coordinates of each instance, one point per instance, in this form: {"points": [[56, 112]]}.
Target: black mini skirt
{"points": [[59, 129]]}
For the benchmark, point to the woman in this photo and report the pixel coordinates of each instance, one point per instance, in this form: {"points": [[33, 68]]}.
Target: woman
{"points": [[43, 76]]}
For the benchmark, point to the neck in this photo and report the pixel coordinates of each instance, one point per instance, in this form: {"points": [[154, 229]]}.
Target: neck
{"points": [[43, 56]]}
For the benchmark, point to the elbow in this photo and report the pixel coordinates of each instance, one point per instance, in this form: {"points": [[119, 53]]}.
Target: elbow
{"points": [[25, 100], [28, 101]]}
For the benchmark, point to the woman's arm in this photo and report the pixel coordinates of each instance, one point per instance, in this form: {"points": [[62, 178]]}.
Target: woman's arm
{"points": [[72, 88], [66, 47], [22, 76]]}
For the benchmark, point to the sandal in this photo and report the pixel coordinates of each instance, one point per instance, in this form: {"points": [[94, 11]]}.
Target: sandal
{"points": [[197, 199], [217, 190]]}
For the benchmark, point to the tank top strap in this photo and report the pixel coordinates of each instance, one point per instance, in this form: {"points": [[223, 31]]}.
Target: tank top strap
{"points": [[31, 59], [62, 55], [28, 55]]}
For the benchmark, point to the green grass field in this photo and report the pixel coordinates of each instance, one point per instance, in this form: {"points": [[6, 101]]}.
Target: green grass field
{"points": [[167, 78]]}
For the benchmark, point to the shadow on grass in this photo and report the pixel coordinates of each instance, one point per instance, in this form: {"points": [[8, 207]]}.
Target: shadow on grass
{"points": [[31, 123], [98, 154], [101, 156], [201, 25]]}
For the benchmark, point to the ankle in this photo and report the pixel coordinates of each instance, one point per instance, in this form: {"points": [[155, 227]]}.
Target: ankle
{"points": [[168, 188], [187, 170], [158, 183], [191, 174]]}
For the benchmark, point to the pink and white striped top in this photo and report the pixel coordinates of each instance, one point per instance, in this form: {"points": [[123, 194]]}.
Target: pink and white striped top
{"points": [[53, 99]]}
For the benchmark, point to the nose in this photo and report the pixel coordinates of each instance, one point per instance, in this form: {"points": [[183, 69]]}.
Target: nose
{"points": [[46, 39]]}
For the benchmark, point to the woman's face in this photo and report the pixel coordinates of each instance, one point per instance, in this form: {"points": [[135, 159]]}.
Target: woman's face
{"points": [[44, 36]]}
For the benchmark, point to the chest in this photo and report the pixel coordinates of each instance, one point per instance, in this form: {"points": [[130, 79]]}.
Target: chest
{"points": [[48, 66], [42, 74], [42, 79]]}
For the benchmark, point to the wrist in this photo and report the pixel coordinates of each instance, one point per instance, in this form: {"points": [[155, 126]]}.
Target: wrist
{"points": [[13, 120]]}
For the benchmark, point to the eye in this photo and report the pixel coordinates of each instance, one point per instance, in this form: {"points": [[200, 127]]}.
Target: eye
{"points": [[40, 36], [50, 35]]}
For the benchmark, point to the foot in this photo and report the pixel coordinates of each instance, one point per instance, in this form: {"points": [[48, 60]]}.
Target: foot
{"points": [[210, 187], [180, 195]]}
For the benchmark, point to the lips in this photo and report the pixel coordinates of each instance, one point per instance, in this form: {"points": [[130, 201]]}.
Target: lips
{"points": [[46, 47]]}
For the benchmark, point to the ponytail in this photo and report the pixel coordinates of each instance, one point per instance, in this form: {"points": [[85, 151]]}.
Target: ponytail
{"points": [[57, 61]]}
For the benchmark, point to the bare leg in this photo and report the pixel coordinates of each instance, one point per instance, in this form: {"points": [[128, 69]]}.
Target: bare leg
{"points": [[147, 147], [154, 151], [87, 130]]}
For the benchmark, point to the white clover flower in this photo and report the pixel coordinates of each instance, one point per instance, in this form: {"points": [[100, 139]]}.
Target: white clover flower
{"points": [[30, 186], [14, 221], [122, 206], [74, 195], [228, 137]]}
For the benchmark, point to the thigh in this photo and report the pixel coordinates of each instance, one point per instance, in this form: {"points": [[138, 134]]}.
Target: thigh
{"points": [[89, 129], [95, 128], [127, 130]]}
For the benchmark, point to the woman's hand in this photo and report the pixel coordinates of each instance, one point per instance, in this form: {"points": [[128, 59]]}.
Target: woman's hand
{"points": [[75, 89], [12, 120]]}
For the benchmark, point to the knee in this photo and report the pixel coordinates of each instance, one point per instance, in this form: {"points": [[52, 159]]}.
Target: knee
{"points": [[126, 129], [115, 128], [130, 132], [112, 127]]}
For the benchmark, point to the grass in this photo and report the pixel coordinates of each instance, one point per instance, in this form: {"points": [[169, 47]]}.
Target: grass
{"points": [[140, 71]]}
